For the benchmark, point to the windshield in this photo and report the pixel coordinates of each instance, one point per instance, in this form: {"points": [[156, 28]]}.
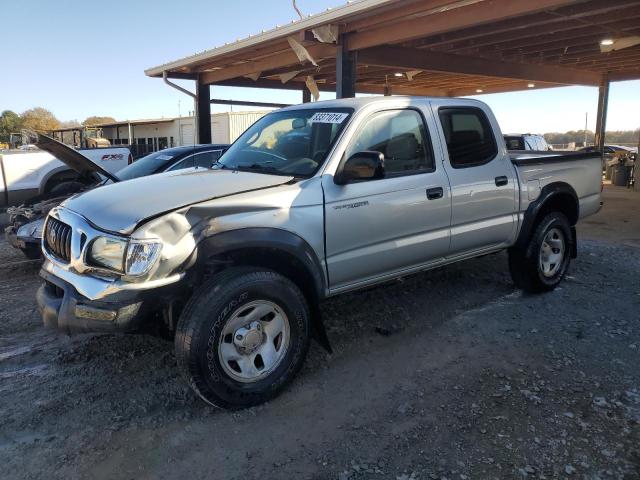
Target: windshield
{"points": [[152, 163], [294, 142]]}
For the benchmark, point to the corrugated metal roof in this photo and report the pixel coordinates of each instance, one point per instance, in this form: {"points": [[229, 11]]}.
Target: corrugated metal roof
{"points": [[315, 20]]}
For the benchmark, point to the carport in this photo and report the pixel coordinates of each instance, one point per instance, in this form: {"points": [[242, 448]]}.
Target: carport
{"points": [[427, 47]]}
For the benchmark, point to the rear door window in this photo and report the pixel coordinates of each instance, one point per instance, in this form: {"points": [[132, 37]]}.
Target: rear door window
{"points": [[469, 137]]}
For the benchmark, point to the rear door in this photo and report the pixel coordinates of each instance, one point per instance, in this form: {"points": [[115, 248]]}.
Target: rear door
{"points": [[378, 227], [483, 182]]}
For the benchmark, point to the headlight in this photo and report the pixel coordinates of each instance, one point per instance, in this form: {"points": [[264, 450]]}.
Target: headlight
{"points": [[32, 229], [135, 257], [141, 255], [108, 252]]}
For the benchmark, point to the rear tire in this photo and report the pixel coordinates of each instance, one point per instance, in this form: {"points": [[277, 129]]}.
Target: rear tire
{"points": [[540, 265], [242, 337]]}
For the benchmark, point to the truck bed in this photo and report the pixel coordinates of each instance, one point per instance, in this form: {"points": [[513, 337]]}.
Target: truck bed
{"points": [[528, 157], [580, 171]]}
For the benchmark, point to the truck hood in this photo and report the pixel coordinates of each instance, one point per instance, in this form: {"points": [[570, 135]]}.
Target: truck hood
{"points": [[72, 158], [120, 207]]}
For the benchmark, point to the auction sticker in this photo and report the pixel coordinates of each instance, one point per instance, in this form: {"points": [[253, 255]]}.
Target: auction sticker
{"points": [[328, 117]]}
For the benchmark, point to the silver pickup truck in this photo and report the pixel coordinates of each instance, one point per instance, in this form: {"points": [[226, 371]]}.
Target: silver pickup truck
{"points": [[310, 202]]}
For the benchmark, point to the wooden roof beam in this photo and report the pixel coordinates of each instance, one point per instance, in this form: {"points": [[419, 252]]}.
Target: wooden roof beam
{"points": [[542, 38], [463, 92], [317, 51], [325, 87], [623, 76], [483, 12], [591, 39], [567, 28], [409, 58], [527, 23]]}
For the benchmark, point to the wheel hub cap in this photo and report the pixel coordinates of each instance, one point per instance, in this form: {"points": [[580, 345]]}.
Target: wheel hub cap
{"points": [[254, 341], [552, 252], [247, 340]]}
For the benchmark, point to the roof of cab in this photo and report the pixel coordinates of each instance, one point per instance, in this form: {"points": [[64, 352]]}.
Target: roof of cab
{"points": [[360, 102]]}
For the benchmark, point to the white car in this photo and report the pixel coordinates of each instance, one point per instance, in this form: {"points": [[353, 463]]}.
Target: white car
{"points": [[31, 173]]}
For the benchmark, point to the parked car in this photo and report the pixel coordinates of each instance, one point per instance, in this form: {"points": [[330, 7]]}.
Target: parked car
{"points": [[526, 141], [611, 151], [26, 221], [29, 174], [312, 201]]}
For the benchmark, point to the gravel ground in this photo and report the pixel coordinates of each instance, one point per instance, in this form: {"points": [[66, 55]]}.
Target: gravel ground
{"points": [[449, 374]]}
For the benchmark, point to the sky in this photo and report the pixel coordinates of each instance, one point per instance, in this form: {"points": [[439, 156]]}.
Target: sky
{"points": [[79, 58]]}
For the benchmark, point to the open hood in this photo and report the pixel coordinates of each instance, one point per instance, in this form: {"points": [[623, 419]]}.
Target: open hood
{"points": [[71, 157]]}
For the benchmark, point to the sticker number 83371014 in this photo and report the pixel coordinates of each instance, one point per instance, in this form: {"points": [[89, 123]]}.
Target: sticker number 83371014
{"points": [[328, 117]]}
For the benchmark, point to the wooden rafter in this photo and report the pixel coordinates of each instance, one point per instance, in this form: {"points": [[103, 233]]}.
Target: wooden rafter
{"points": [[407, 58]]}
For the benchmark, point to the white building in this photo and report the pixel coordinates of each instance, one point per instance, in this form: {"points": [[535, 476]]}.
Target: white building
{"points": [[151, 135]]}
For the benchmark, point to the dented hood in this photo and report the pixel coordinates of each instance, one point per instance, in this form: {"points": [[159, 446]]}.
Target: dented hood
{"points": [[120, 207], [72, 158]]}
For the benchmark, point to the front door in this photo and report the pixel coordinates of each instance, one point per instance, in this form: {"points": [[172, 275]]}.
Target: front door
{"points": [[381, 227]]}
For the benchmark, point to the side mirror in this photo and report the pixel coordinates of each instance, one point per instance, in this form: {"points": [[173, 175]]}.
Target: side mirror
{"points": [[365, 165]]}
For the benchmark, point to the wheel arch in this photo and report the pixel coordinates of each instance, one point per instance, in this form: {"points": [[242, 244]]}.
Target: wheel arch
{"points": [[554, 197], [279, 250], [53, 174]]}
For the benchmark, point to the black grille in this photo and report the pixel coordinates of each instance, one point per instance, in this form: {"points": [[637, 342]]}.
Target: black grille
{"points": [[57, 239]]}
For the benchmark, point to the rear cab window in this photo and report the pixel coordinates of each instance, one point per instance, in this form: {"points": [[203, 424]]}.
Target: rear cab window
{"points": [[469, 137]]}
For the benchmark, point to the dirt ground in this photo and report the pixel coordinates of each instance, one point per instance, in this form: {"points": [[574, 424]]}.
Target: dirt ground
{"points": [[448, 374]]}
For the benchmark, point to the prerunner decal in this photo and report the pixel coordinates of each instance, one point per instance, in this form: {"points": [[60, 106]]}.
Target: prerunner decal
{"points": [[328, 117]]}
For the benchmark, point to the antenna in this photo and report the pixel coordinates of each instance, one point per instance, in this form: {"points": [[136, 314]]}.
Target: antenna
{"points": [[295, 7]]}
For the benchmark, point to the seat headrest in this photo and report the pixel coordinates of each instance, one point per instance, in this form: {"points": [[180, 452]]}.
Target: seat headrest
{"points": [[402, 147]]}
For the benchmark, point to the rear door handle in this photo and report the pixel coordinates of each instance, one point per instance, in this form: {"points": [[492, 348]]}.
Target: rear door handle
{"points": [[501, 181], [434, 193]]}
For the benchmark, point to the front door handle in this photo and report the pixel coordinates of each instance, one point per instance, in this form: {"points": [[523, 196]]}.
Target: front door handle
{"points": [[434, 193], [501, 181]]}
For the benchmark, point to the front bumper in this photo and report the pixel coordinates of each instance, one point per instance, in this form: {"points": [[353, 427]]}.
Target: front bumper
{"points": [[63, 308]]}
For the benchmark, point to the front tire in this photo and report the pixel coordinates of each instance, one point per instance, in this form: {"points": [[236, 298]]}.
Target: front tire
{"points": [[242, 337], [540, 265]]}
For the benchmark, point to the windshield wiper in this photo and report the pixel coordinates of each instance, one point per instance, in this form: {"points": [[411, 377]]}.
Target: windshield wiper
{"points": [[219, 164], [258, 167]]}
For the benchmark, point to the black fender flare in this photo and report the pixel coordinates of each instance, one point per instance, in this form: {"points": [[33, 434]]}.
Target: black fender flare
{"points": [[532, 213], [283, 241]]}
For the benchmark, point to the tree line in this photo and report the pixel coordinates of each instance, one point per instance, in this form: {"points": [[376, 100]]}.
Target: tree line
{"points": [[41, 119], [577, 136]]}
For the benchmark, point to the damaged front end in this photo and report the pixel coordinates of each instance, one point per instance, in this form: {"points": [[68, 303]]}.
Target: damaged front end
{"points": [[26, 223]]}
